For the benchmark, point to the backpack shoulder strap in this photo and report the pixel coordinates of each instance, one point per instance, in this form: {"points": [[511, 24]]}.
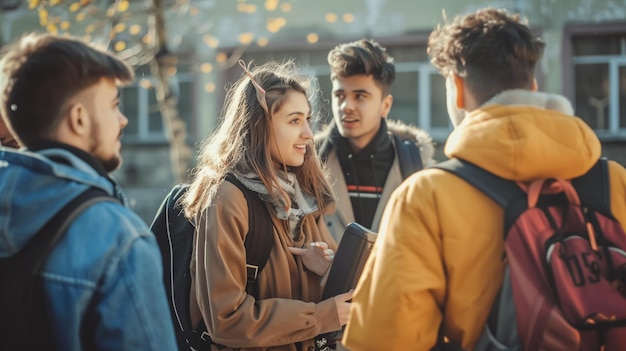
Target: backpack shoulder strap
{"points": [[42, 244], [175, 194], [593, 188], [503, 191], [260, 238], [409, 156], [170, 222], [258, 243], [23, 302]]}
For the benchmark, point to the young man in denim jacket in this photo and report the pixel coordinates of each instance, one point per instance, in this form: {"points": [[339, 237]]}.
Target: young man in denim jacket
{"points": [[102, 281]]}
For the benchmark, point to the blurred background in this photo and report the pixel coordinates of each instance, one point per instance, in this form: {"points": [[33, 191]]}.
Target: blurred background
{"points": [[185, 54]]}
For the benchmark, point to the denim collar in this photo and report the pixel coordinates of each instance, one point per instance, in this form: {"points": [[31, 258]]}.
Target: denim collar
{"points": [[83, 155]]}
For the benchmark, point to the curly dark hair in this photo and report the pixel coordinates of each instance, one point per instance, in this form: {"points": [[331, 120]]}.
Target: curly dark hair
{"points": [[492, 50], [365, 57]]}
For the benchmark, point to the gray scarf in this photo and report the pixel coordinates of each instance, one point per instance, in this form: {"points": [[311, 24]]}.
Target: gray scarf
{"points": [[301, 203]]}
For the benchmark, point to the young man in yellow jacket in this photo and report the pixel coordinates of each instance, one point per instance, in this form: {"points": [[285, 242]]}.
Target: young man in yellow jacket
{"points": [[437, 265]]}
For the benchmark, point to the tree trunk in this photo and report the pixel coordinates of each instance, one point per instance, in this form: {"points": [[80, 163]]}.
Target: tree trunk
{"points": [[162, 66]]}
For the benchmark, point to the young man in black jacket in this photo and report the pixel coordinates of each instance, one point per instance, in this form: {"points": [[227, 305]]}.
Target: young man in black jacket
{"points": [[368, 155]]}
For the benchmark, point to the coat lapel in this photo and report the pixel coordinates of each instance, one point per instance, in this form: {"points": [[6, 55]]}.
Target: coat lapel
{"points": [[344, 204]]}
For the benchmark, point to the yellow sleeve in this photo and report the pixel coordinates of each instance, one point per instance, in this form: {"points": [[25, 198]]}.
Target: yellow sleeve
{"points": [[439, 249], [391, 309]]}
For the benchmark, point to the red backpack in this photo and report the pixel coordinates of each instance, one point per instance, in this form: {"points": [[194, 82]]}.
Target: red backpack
{"points": [[564, 286]]}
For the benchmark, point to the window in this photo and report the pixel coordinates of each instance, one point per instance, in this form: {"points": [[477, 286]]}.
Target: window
{"points": [[597, 76], [139, 105], [418, 91], [419, 97], [7, 5]]}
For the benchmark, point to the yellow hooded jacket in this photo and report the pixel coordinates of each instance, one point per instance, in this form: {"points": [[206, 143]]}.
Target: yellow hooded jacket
{"points": [[437, 261]]}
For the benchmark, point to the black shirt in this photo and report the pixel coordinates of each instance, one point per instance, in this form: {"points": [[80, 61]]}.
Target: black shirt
{"points": [[365, 172]]}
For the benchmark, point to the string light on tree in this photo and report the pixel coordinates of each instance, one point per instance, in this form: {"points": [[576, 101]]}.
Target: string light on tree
{"points": [[312, 38], [206, 68], [262, 41], [285, 7], [209, 87], [271, 5], [246, 38]]}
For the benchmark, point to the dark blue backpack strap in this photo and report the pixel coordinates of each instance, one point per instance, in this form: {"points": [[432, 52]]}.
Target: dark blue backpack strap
{"points": [[594, 188], [23, 303], [503, 191], [61, 222], [409, 156], [260, 238]]}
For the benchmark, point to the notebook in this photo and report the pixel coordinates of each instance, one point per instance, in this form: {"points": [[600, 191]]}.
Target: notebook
{"points": [[354, 249]]}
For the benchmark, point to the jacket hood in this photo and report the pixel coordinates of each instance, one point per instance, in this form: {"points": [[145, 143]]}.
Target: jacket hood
{"points": [[35, 188], [404, 131], [523, 135]]}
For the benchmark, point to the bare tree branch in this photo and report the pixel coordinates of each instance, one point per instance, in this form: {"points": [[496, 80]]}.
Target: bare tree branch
{"points": [[162, 66]]}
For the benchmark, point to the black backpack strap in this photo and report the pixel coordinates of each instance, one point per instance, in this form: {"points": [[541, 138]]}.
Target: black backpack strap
{"points": [[260, 238], [593, 188], [409, 156], [258, 243], [23, 271], [48, 237], [503, 191], [171, 226], [174, 234]]}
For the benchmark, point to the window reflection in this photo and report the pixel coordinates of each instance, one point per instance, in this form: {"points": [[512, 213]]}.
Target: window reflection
{"points": [[600, 81], [592, 98]]}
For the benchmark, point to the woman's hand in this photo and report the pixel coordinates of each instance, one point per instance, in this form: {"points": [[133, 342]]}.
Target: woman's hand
{"points": [[316, 257]]}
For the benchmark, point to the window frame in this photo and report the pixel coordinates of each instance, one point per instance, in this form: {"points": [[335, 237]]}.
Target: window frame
{"points": [[614, 62], [143, 134]]}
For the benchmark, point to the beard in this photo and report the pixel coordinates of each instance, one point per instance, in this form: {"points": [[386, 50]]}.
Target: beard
{"points": [[112, 163], [109, 163]]}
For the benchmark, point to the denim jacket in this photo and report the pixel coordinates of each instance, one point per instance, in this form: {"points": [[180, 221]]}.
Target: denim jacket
{"points": [[104, 278]]}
